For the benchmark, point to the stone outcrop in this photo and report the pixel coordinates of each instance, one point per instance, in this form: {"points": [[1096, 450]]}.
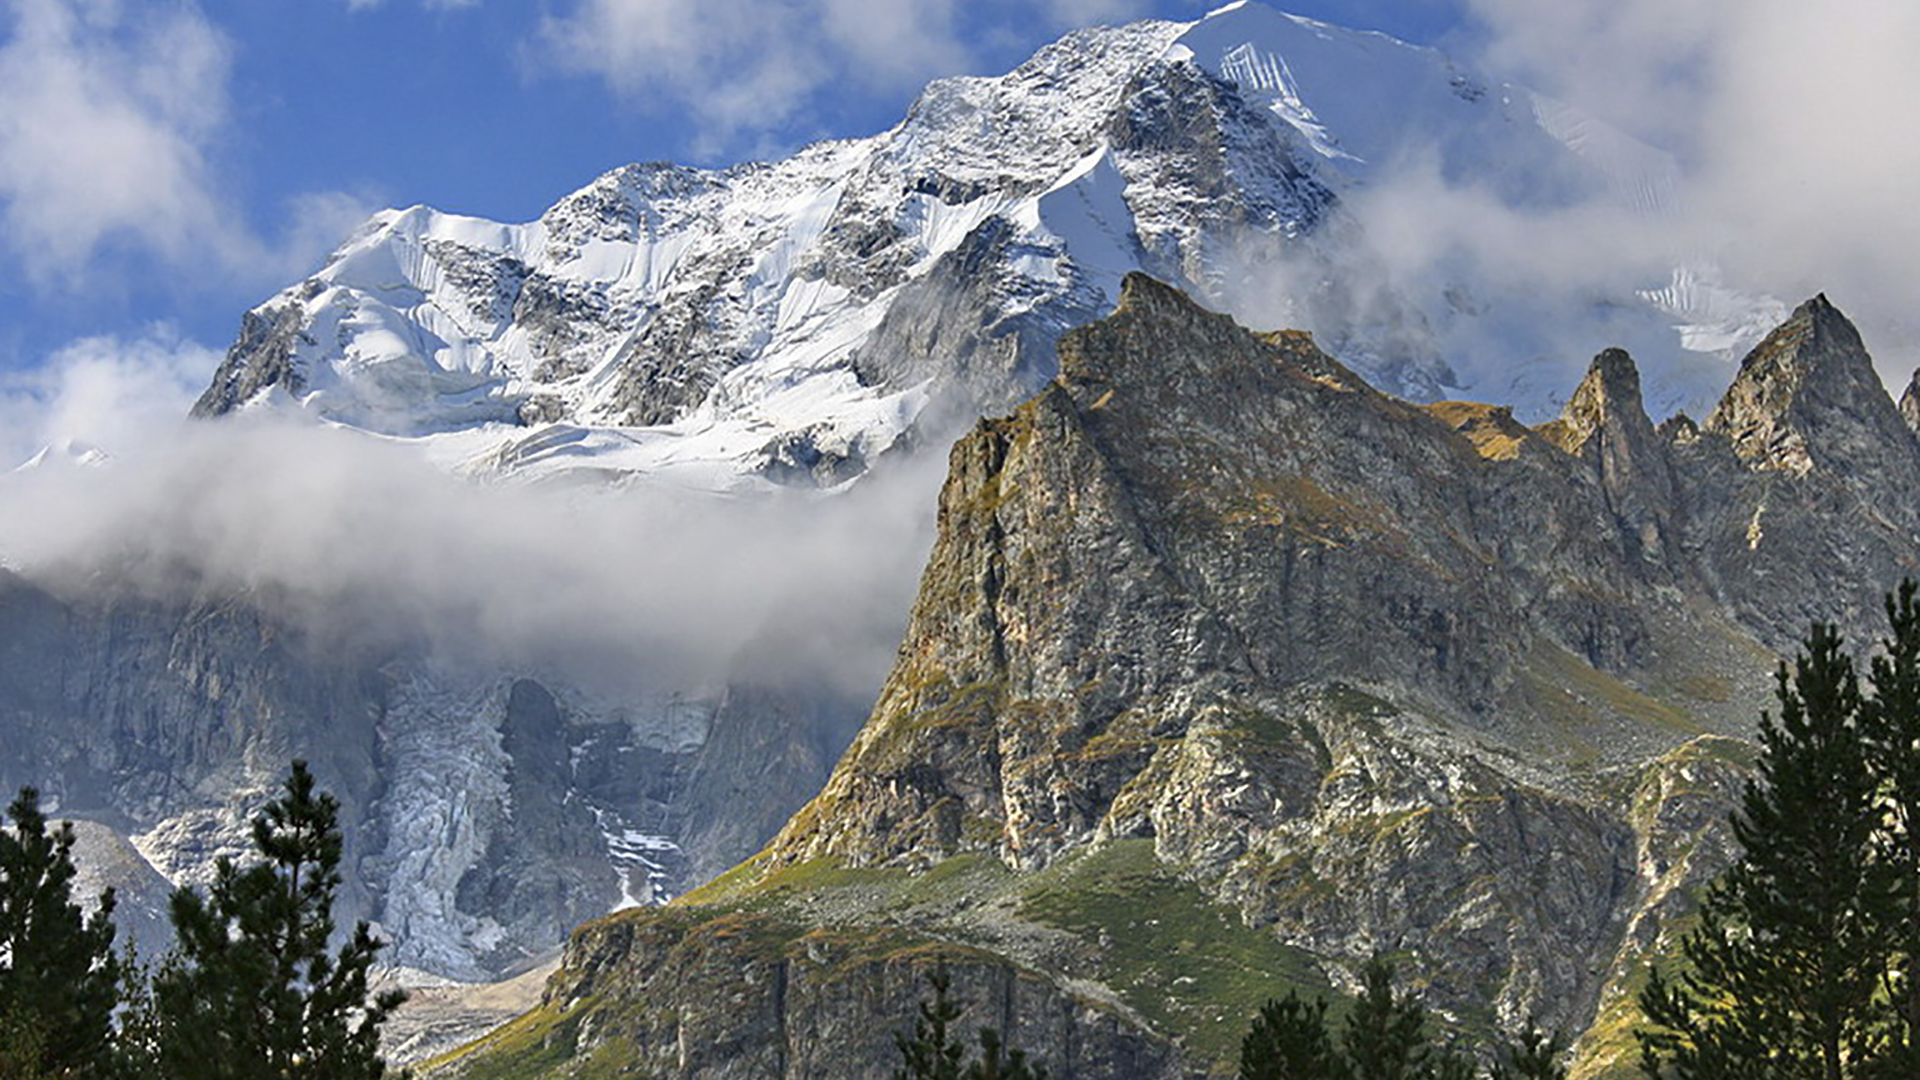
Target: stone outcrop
{"points": [[1210, 618], [739, 996], [1808, 396]]}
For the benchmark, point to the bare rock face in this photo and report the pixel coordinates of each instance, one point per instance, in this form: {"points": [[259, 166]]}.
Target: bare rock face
{"points": [[741, 996], [1210, 618], [1606, 426], [260, 359], [1910, 404], [1807, 396], [485, 814]]}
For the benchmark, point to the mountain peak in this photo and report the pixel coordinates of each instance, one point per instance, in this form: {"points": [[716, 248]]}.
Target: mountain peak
{"points": [[1607, 401], [1808, 396], [1606, 423], [831, 297], [1910, 404], [1131, 351]]}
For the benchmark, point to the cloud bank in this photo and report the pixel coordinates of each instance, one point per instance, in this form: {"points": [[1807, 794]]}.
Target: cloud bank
{"points": [[1793, 124], [1762, 148], [111, 117], [362, 544], [131, 394]]}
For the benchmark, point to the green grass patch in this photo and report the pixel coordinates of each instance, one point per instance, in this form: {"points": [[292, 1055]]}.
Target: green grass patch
{"points": [[1580, 699], [533, 1044], [1188, 965]]}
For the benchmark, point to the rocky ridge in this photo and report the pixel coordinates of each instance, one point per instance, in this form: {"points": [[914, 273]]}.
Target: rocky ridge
{"points": [[783, 323], [1228, 671]]}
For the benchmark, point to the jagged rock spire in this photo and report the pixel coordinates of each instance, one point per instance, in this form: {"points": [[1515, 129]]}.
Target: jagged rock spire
{"points": [[1606, 423], [1607, 403], [1808, 397], [1910, 404]]}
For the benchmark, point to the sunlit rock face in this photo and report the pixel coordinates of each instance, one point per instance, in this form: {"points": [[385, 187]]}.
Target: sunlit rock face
{"points": [[1218, 641]]}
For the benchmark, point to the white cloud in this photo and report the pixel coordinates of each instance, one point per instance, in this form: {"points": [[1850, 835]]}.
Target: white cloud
{"points": [[748, 67], [104, 122], [125, 396], [360, 541], [1792, 125], [110, 114], [1791, 172]]}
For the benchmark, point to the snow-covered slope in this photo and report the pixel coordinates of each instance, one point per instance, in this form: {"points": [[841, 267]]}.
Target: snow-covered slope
{"points": [[788, 322]]}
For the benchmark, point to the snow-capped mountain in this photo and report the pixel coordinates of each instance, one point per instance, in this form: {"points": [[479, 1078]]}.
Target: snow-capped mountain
{"points": [[788, 322]]}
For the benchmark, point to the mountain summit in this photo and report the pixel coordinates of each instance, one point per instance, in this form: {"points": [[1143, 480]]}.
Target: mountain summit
{"points": [[1229, 671], [789, 322]]}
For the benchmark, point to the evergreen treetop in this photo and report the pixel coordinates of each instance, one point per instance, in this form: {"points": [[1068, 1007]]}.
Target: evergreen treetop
{"points": [[1802, 964], [253, 989], [59, 978]]}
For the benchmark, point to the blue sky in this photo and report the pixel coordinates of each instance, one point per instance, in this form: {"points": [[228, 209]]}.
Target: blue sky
{"points": [[174, 163]]}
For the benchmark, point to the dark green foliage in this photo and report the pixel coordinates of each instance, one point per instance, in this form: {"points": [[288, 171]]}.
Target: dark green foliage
{"points": [[933, 1054], [253, 990], [59, 978], [999, 1063], [1801, 963], [22, 1048], [1289, 1041], [1532, 1055], [1386, 1036], [1890, 728]]}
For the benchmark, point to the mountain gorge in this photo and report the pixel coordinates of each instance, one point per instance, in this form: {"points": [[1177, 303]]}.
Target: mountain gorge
{"points": [[1228, 671]]}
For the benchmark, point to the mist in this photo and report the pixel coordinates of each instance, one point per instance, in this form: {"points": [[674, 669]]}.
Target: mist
{"points": [[361, 543], [1760, 146]]}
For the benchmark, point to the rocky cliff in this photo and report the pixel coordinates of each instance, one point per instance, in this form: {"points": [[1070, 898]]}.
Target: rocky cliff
{"points": [[1228, 671], [486, 813]]}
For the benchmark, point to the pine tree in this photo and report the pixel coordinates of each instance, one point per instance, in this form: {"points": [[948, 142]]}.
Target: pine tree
{"points": [[1890, 727], [1386, 1038], [934, 1054], [23, 1047], [1531, 1055], [1781, 973], [997, 1062], [1288, 1041], [252, 989], [59, 978]]}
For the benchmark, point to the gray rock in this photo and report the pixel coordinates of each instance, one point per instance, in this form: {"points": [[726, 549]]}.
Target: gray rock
{"points": [[1369, 676], [484, 815]]}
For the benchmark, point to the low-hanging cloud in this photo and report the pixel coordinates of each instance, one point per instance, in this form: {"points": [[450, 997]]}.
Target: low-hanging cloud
{"points": [[110, 116], [1759, 146], [1792, 161], [360, 543], [127, 393], [1791, 124]]}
